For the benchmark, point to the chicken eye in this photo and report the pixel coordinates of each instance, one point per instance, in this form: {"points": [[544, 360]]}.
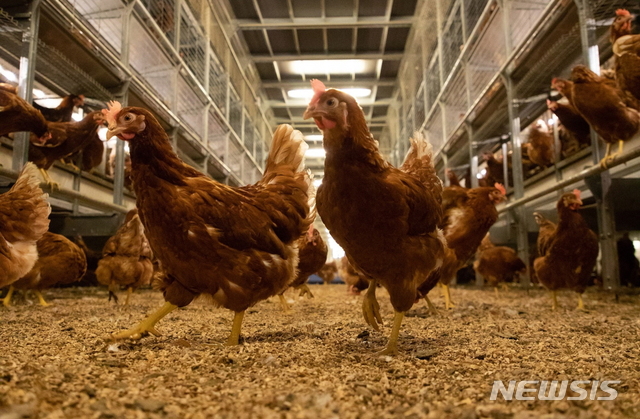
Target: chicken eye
{"points": [[128, 117], [332, 102]]}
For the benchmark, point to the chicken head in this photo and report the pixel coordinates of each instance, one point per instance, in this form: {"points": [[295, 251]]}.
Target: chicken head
{"points": [[571, 200], [329, 108], [123, 123]]}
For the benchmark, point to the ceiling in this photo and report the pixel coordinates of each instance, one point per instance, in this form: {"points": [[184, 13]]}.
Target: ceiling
{"points": [[281, 33]]}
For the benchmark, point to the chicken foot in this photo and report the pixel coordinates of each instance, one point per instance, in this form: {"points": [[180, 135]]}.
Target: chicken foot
{"points": [[283, 302], [447, 297], [609, 157], [6, 301], [234, 339], [304, 290], [581, 303], [392, 345], [129, 292], [554, 296], [370, 306], [41, 299], [432, 309], [147, 326], [52, 184]]}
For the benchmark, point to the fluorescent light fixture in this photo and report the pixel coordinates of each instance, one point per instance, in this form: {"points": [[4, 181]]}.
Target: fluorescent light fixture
{"points": [[313, 137], [317, 182], [9, 75], [308, 93], [328, 66], [49, 103], [314, 153], [38, 93]]}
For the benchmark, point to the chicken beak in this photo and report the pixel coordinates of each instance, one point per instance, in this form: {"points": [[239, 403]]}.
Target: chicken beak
{"points": [[309, 112]]}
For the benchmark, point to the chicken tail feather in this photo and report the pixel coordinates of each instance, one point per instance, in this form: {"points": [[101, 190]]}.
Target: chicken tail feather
{"points": [[27, 188], [419, 163]]}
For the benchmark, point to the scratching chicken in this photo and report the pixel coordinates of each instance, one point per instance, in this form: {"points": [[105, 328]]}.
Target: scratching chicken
{"points": [[384, 218], [328, 272], [626, 48], [126, 259], [356, 282], [60, 262], [568, 253], [24, 218], [541, 144], [17, 115], [237, 245], [574, 130], [498, 264], [610, 116], [62, 112], [66, 139], [466, 221], [312, 253]]}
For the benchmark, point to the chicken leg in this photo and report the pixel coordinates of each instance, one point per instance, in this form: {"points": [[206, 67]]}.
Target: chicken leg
{"points": [[52, 184], [495, 289], [432, 309], [608, 156], [554, 296], [147, 326], [6, 301], [283, 302], [234, 339], [41, 299], [392, 345], [304, 290], [447, 297], [370, 306], [581, 303], [129, 292]]}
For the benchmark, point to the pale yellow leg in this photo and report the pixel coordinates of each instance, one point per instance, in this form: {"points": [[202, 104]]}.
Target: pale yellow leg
{"points": [[392, 345], [72, 165], [580, 303], [41, 299], [285, 305], [554, 296], [447, 297], [234, 339], [432, 309], [495, 289], [147, 326], [6, 301], [370, 306], [54, 185], [304, 290], [129, 292], [608, 156]]}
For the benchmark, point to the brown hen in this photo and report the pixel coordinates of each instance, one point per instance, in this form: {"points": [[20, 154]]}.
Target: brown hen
{"points": [[237, 245], [60, 262], [626, 48], [17, 115], [356, 282], [24, 218], [498, 264], [328, 272], [384, 218], [541, 144], [62, 112]]}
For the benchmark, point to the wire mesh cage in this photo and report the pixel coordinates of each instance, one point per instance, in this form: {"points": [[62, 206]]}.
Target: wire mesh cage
{"points": [[105, 16], [455, 103], [452, 40], [218, 81], [216, 135], [192, 46], [433, 82], [248, 169], [472, 11], [419, 106], [190, 107], [249, 134], [523, 14], [235, 113], [163, 13], [234, 158], [434, 129]]}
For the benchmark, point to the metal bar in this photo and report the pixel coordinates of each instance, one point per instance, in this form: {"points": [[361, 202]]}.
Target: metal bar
{"points": [[295, 84], [389, 56], [26, 75], [327, 22]]}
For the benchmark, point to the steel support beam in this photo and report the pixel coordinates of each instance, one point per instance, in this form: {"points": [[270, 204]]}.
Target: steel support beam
{"points": [[389, 56], [26, 74], [604, 201], [325, 23]]}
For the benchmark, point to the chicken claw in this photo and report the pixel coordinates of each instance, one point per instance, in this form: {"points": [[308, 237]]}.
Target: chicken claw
{"points": [[447, 297], [147, 326], [234, 339], [608, 157], [52, 184], [371, 308], [41, 299], [392, 345], [304, 290], [432, 309], [285, 305], [581, 303], [6, 301]]}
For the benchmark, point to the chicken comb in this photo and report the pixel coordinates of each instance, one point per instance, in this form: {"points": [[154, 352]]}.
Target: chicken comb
{"points": [[577, 192], [111, 114], [622, 12], [318, 89], [501, 188]]}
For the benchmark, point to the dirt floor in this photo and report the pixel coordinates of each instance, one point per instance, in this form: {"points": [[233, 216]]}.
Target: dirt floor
{"points": [[316, 362]]}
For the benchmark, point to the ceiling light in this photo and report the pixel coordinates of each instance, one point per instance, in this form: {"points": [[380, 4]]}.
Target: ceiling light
{"points": [[328, 66], [9, 75], [314, 153], [38, 93], [308, 93], [313, 137]]}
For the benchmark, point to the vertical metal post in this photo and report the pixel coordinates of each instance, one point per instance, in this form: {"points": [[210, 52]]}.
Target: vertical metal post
{"points": [[604, 202], [439, 23], [445, 164], [177, 19], [118, 178], [505, 163], [26, 75], [473, 157]]}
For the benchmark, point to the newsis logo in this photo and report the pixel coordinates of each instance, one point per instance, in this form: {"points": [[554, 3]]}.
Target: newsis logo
{"points": [[554, 390]]}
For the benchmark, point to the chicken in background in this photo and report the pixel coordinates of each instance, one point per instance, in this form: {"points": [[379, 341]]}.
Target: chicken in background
{"points": [[237, 245], [574, 130], [546, 229], [453, 178], [498, 264], [495, 169], [626, 49], [24, 219], [128, 181], [568, 253], [62, 112], [90, 156], [328, 272], [384, 218], [466, 221], [312, 254], [17, 115], [60, 262], [66, 139], [613, 116], [541, 148], [356, 282], [126, 259], [627, 261], [93, 257]]}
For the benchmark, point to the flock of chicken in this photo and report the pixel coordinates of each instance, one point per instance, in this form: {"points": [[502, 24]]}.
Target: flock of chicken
{"points": [[399, 227]]}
